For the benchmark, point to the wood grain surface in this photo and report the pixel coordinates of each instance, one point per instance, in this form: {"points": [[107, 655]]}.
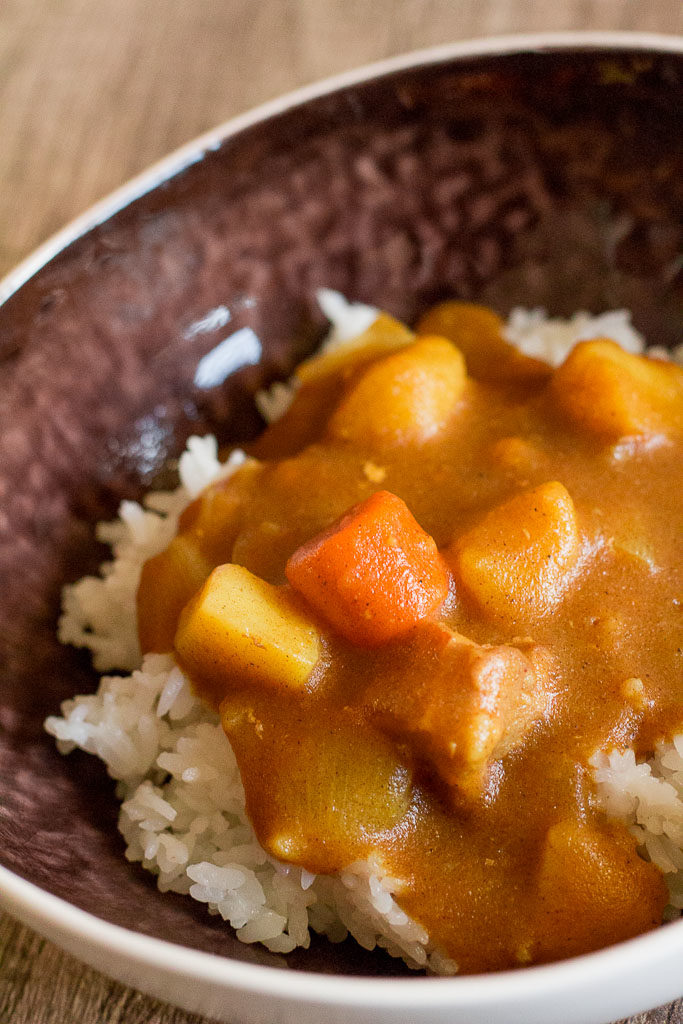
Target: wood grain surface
{"points": [[92, 91]]}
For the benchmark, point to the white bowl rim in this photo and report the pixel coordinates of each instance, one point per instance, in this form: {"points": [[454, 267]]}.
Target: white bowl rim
{"points": [[60, 919], [43, 911]]}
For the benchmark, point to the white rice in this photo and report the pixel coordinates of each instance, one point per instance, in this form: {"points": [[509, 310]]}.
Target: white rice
{"points": [[348, 320], [183, 818], [98, 612], [537, 335], [648, 798], [182, 814]]}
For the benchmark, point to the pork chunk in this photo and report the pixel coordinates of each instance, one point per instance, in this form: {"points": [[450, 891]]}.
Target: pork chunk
{"points": [[459, 705]]}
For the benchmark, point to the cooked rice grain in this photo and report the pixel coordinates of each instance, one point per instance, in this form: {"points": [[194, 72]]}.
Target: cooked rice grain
{"points": [[183, 818]]}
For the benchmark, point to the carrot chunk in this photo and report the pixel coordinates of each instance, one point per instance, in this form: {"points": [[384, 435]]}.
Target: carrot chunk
{"points": [[373, 574]]}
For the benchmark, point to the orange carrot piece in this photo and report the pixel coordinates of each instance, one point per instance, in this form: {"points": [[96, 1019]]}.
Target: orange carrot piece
{"points": [[373, 574]]}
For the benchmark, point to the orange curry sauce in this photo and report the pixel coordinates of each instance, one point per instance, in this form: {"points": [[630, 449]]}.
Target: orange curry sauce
{"points": [[451, 739]]}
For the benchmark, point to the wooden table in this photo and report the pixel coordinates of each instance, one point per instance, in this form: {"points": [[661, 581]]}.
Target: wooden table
{"points": [[92, 91]]}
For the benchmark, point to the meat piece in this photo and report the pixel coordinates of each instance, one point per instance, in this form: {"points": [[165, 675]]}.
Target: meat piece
{"points": [[460, 705]]}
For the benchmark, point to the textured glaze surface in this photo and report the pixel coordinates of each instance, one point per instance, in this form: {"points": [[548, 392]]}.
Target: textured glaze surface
{"points": [[517, 180]]}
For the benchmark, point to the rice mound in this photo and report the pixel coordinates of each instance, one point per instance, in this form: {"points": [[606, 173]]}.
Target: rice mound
{"points": [[182, 813], [647, 796], [183, 818]]}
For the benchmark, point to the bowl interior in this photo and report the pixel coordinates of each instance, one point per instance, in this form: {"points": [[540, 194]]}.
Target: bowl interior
{"points": [[547, 178]]}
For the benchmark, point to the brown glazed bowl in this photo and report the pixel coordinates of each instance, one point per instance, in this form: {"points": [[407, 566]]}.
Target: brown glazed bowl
{"points": [[533, 171]]}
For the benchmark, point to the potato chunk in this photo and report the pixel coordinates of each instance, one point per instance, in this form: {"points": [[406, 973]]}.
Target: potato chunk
{"points": [[337, 782], [239, 628], [213, 519], [321, 380], [612, 394], [517, 563], [474, 703], [592, 890], [405, 398], [167, 583], [384, 335], [207, 530], [478, 333]]}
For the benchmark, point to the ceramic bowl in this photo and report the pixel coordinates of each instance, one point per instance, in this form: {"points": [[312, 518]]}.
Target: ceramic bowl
{"points": [[533, 171]]}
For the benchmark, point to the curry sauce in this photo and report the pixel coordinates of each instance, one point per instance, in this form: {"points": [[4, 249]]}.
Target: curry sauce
{"points": [[442, 581]]}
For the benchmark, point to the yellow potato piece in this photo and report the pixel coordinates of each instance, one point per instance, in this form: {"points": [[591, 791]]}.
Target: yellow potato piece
{"points": [[633, 538], [613, 394], [592, 890], [167, 582], [242, 627], [478, 333], [337, 782], [321, 380], [405, 398], [516, 564], [384, 335]]}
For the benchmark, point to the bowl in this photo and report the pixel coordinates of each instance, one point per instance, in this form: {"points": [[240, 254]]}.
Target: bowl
{"points": [[529, 170]]}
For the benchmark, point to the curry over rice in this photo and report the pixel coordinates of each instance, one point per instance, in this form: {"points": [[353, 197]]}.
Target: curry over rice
{"points": [[442, 580]]}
